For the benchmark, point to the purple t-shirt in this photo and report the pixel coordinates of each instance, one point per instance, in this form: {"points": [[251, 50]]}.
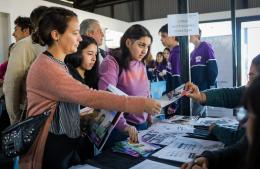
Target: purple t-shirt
{"points": [[174, 59], [202, 54], [133, 82], [160, 66]]}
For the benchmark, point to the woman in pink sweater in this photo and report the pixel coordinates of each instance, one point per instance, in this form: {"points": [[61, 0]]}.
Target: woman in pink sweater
{"points": [[49, 82], [126, 70]]}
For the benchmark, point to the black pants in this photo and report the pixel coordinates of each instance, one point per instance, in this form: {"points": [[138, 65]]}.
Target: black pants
{"points": [[60, 152]]}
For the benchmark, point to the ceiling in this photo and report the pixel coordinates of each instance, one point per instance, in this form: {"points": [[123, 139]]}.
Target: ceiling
{"points": [[136, 10]]}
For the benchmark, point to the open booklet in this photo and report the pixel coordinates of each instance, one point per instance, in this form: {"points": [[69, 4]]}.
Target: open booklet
{"points": [[98, 124], [171, 96]]}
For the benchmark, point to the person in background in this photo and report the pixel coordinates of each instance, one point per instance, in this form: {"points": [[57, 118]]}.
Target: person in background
{"points": [[204, 69], [150, 65], [160, 65], [49, 83], [23, 28], [166, 55], [92, 28], [172, 43], [173, 71], [227, 98], [244, 154], [125, 69], [4, 118], [83, 66], [21, 57]]}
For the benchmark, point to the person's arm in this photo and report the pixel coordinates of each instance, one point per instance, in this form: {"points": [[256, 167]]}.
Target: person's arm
{"points": [[212, 68], [224, 97], [175, 79], [55, 83], [221, 97], [227, 157], [108, 73]]}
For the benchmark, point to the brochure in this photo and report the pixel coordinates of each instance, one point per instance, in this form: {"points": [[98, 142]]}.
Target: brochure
{"points": [[185, 149], [135, 149], [149, 164], [98, 124], [171, 96]]}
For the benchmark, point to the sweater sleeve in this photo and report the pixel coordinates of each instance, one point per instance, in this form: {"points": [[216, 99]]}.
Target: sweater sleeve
{"points": [[50, 80], [108, 74], [224, 97], [229, 157], [228, 135]]}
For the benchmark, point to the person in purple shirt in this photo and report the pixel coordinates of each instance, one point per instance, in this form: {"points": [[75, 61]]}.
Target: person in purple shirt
{"points": [[125, 69], [204, 69], [160, 65], [173, 79]]}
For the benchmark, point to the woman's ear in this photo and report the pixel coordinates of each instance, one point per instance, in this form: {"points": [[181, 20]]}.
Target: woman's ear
{"points": [[128, 42], [55, 35]]}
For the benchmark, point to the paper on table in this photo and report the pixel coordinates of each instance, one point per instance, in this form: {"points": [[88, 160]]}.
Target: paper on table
{"points": [[86, 166], [171, 128], [185, 149], [164, 133], [149, 164], [207, 121]]}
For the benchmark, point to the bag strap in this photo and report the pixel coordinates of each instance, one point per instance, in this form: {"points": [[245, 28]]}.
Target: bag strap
{"points": [[33, 158]]}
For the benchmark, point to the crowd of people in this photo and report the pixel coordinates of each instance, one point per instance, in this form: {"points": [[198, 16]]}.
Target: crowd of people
{"points": [[56, 63]]}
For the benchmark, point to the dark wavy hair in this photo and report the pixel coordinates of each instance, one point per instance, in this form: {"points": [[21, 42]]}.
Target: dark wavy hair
{"points": [[76, 59], [251, 102], [122, 54], [55, 18], [24, 23]]}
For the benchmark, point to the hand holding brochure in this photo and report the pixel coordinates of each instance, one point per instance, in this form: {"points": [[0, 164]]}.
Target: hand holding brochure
{"points": [[172, 96]]}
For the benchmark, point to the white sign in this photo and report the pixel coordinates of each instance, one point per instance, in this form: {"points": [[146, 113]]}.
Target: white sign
{"points": [[183, 24]]}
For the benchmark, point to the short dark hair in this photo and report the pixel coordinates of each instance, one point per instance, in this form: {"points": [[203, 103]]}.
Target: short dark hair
{"points": [[24, 23], [76, 59], [167, 49], [122, 54], [36, 15], [55, 18], [164, 29], [256, 63]]}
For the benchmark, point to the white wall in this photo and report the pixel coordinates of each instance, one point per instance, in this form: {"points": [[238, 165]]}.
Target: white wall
{"points": [[4, 42], [17, 8], [155, 24]]}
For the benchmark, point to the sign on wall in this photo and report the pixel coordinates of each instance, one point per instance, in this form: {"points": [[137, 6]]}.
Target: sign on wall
{"points": [[183, 24]]}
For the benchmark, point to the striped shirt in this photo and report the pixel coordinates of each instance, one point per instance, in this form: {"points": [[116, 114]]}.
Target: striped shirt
{"points": [[66, 120]]}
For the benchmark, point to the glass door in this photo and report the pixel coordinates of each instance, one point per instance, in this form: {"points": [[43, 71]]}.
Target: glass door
{"points": [[250, 46]]}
